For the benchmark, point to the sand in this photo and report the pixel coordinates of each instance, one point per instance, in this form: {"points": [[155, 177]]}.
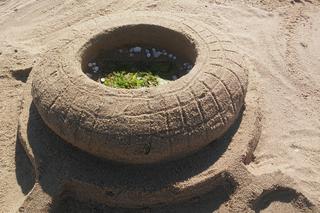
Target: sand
{"points": [[280, 37]]}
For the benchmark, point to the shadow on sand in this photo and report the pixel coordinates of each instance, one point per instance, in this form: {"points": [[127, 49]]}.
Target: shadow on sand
{"points": [[24, 170], [60, 161]]}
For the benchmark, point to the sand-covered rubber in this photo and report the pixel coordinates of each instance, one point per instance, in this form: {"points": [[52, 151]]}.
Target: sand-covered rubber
{"points": [[142, 125]]}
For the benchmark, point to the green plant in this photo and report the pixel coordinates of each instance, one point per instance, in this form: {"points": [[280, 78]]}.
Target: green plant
{"points": [[131, 80]]}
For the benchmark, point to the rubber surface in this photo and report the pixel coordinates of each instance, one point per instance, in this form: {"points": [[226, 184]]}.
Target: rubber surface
{"points": [[142, 125]]}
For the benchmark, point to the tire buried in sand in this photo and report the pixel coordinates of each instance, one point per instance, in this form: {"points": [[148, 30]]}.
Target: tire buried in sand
{"points": [[147, 125]]}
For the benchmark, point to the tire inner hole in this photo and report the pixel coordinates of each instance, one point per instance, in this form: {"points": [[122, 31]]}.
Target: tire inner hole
{"points": [[137, 66], [139, 55]]}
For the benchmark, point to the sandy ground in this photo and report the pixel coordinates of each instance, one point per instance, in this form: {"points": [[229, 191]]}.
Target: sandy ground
{"points": [[282, 38]]}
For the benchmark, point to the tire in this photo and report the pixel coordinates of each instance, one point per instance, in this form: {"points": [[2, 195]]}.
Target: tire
{"points": [[141, 126]]}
